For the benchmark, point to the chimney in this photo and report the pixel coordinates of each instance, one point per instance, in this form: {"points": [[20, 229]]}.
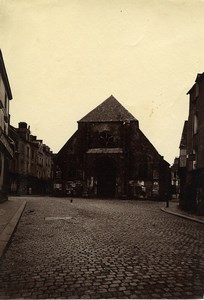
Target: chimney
{"points": [[22, 125]]}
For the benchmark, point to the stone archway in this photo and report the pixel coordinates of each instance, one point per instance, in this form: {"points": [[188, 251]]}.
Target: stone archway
{"points": [[105, 172]]}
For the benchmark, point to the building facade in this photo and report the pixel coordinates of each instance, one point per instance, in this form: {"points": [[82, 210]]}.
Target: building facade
{"points": [[32, 167], [6, 147], [175, 181], [192, 156], [109, 156], [182, 170]]}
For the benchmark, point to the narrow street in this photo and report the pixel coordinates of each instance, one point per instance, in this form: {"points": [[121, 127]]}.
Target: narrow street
{"points": [[94, 248]]}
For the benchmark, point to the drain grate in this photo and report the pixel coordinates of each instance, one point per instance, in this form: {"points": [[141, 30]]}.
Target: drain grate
{"points": [[57, 218]]}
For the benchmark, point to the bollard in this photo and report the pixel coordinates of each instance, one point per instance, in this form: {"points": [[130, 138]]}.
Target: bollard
{"points": [[167, 202]]}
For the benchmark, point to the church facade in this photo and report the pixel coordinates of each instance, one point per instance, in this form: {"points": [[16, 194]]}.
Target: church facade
{"points": [[109, 157]]}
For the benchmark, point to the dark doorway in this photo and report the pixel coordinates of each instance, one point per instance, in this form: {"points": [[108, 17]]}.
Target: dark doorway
{"points": [[106, 177]]}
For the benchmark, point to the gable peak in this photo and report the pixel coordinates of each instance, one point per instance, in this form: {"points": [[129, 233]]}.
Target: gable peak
{"points": [[110, 110]]}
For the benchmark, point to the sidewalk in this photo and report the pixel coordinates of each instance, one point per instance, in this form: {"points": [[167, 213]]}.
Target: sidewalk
{"points": [[10, 213], [175, 210]]}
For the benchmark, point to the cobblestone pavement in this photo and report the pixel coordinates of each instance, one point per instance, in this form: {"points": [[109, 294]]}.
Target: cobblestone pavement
{"points": [[106, 249]]}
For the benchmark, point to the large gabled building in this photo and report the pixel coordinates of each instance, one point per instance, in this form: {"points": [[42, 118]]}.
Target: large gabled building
{"points": [[109, 156]]}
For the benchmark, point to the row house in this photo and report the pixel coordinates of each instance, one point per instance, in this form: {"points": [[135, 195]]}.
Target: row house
{"points": [[109, 156], [6, 145], [31, 168], [192, 151]]}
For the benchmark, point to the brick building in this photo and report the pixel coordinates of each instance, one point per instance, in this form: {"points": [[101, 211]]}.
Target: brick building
{"points": [[109, 156], [31, 168], [6, 150], [192, 164]]}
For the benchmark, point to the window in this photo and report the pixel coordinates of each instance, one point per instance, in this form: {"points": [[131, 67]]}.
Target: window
{"points": [[5, 99], [32, 154], [106, 139], [22, 165], [194, 159], [22, 148], [28, 151], [195, 123], [27, 166]]}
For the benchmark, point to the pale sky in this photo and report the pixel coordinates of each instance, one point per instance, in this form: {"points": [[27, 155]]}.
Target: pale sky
{"points": [[65, 57]]}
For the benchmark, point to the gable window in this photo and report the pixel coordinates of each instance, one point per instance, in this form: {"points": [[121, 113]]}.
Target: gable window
{"points": [[106, 139]]}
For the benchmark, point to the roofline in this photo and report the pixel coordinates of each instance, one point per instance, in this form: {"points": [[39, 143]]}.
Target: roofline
{"points": [[190, 90], [108, 121], [88, 119], [184, 132], [5, 77], [199, 77], [67, 142]]}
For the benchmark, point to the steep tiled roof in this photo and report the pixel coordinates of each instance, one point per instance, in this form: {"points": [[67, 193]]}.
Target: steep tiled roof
{"points": [[109, 110]]}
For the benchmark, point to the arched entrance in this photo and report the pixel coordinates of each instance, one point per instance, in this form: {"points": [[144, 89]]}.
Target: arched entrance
{"points": [[106, 177]]}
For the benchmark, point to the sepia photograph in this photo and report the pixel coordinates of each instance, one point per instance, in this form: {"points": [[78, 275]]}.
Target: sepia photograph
{"points": [[102, 149]]}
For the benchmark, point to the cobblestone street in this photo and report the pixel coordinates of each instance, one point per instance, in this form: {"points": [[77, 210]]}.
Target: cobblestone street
{"points": [[102, 249]]}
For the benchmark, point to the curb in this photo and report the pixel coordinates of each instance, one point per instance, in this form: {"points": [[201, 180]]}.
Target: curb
{"points": [[8, 231], [182, 216]]}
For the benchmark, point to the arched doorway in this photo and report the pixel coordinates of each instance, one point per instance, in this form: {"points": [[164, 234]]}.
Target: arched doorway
{"points": [[106, 177]]}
